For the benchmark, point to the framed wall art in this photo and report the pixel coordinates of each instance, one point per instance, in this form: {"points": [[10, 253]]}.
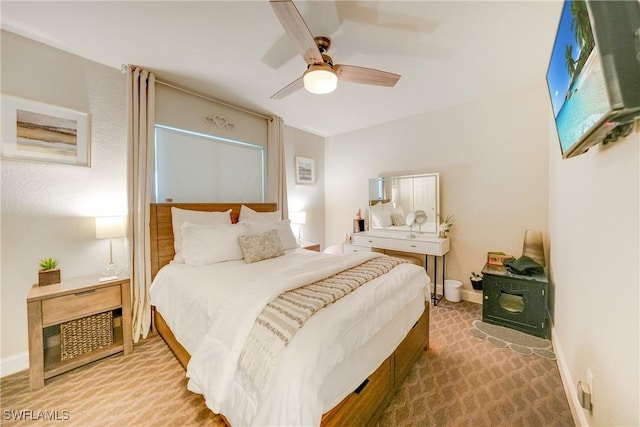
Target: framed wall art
{"points": [[40, 132], [305, 170]]}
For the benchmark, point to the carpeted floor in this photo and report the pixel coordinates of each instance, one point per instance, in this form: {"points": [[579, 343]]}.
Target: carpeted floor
{"points": [[464, 380], [461, 381]]}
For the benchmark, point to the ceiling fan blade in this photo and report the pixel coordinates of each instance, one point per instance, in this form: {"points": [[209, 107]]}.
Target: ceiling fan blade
{"points": [[367, 76], [289, 89], [297, 30]]}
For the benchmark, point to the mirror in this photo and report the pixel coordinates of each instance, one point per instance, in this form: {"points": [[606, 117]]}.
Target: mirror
{"points": [[392, 199]]}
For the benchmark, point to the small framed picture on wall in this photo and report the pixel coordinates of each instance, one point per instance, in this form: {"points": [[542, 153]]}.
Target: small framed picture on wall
{"points": [[305, 170], [44, 133]]}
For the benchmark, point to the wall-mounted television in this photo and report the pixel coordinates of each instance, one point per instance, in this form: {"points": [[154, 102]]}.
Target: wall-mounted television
{"points": [[594, 73]]}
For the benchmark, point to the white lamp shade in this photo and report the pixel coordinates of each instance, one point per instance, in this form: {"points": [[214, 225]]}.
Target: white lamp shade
{"points": [[110, 226], [298, 217], [320, 79]]}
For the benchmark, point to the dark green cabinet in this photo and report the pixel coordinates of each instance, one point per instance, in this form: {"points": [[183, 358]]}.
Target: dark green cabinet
{"points": [[515, 301]]}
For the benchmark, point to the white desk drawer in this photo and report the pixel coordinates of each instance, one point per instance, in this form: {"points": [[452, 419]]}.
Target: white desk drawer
{"points": [[433, 247], [348, 248]]}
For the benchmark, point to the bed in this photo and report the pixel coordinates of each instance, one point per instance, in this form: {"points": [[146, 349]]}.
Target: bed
{"points": [[374, 343]]}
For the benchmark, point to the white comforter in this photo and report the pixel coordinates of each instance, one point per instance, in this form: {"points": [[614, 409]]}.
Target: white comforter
{"points": [[223, 302]]}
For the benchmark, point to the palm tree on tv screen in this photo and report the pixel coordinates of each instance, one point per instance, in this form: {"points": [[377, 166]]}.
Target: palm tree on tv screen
{"points": [[581, 28], [571, 64]]}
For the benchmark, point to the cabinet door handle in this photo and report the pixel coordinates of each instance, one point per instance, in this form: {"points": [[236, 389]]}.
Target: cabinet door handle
{"points": [[413, 246], [361, 386], [370, 241], [90, 291]]}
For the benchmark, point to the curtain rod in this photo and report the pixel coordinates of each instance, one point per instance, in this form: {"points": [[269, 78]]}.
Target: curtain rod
{"points": [[208, 98]]}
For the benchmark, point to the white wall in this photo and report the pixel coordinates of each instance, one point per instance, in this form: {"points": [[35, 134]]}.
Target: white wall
{"points": [[594, 215], [48, 209], [492, 158], [306, 197]]}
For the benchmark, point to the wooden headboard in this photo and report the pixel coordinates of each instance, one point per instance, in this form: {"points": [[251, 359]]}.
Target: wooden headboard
{"points": [[161, 228]]}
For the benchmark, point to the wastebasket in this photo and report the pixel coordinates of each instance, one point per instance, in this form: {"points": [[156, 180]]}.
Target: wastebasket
{"points": [[452, 290]]}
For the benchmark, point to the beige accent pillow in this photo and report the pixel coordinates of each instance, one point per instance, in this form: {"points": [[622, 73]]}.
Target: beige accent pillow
{"points": [[258, 247], [179, 216]]}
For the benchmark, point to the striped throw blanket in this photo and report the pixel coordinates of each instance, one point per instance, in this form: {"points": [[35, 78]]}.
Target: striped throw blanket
{"points": [[284, 316]]}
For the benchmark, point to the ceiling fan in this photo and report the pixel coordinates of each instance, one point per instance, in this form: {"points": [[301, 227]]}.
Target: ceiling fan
{"points": [[322, 74]]}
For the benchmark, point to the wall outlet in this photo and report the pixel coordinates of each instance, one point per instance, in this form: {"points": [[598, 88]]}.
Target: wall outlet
{"points": [[584, 395], [590, 382]]}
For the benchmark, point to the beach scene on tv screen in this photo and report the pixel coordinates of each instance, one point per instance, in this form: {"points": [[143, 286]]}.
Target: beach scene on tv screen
{"points": [[575, 76]]}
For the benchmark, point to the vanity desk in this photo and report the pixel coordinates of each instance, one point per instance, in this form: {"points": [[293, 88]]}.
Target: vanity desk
{"points": [[426, 245], [403, 216]]}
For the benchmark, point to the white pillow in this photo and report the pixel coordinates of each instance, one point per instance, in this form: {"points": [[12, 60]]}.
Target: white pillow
{"points": [[381, 215], [376, 219], [287, 239], [210, 244], [387, 209], [178, 216], [248, 213], [398, 216]]}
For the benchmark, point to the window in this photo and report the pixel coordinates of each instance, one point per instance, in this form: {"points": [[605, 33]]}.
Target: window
{"points": [[194, 167]]}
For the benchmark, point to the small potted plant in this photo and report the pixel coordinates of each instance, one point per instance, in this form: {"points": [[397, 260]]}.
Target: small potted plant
{"points": [[48, 274], [445, 226]]}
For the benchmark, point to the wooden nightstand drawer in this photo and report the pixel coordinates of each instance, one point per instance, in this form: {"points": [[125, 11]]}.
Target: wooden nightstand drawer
{"points": [[80, 304]]}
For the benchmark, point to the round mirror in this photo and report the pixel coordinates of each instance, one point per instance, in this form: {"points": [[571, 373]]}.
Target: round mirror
{"points": [[420, 217], [411, 218]]}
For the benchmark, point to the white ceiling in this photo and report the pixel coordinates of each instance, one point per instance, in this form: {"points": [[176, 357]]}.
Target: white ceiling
{"points": [[448, 52]]}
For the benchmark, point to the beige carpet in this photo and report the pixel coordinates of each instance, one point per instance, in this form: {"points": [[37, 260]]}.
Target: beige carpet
{"points": [[466, 381], [462, 380]]}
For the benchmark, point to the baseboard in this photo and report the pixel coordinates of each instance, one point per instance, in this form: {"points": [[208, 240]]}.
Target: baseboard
{"points": [[578, 413], [471, 295], [465, 294], [12, 364]]}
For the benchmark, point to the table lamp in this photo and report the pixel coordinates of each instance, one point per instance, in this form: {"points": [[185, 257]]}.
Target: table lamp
{"points": [[298, 218], [108, 227]]}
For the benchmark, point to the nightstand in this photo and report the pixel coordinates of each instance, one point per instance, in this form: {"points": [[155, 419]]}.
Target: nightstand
{"points": [[515, 301], [310, 246], [86, 307]]}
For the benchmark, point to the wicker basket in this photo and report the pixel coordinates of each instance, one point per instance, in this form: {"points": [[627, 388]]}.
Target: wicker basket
{"points": [[83, 335]]}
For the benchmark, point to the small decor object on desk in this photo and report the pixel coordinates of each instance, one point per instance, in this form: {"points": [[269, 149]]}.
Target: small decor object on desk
{"points": [[48, 274], [358, 222], [445, 226]]}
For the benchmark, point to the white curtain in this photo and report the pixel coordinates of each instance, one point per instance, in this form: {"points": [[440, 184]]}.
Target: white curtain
{"points": [[141, 120], [276, 139]]}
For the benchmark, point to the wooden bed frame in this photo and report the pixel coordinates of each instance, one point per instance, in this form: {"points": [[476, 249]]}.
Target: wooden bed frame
{"points": [[369, 400]]}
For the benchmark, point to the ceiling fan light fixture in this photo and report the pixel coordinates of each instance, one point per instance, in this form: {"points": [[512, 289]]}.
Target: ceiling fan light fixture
{"points": [[320, 79]]}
